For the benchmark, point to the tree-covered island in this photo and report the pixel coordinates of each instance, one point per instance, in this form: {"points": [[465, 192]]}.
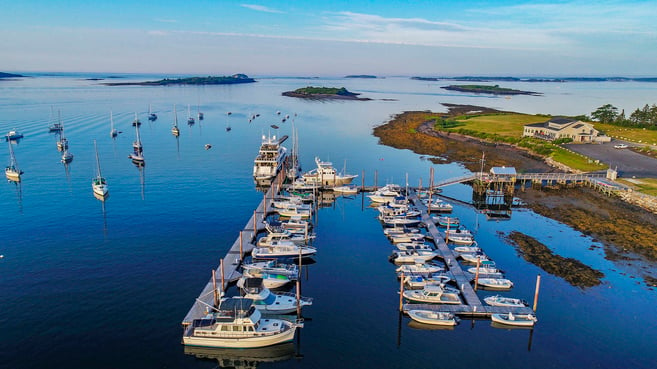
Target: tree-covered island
{"points": [[210, 80], [10, 75], [488, 89], [318, 93]]}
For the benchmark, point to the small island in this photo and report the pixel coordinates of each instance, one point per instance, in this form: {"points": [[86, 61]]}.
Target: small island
{"points": [[488, 89], [360, 76], [9, 75], [323, 93], [210, 80]]}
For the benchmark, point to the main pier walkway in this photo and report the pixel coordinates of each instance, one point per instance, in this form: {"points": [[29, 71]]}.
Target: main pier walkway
{"points": [[227, 271]]}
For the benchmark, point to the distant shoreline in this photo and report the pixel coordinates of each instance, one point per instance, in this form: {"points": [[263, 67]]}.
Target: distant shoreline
{"points": [[210, 80], [491, 90]]}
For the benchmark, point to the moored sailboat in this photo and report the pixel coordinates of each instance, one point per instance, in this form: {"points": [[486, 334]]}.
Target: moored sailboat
{"points": [[175, 130], [113, 131], [98, 183], [137, 155], [12, 172]]}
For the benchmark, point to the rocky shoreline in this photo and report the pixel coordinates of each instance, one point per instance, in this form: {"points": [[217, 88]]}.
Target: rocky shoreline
{"points": [[620, 226]]}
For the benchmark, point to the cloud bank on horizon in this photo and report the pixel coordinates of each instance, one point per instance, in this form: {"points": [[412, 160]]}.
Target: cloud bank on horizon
{"points": [[512, 37]]}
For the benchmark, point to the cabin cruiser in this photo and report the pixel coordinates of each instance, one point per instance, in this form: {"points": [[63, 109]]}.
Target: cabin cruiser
{"points": [[326, 175], [236, 323], [269, 160]]}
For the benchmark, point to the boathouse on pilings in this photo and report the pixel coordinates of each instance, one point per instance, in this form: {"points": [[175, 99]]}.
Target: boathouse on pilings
{"points": [[493, 191]]}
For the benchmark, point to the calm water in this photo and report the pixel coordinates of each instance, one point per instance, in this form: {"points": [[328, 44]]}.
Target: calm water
{"points": [[87, 284]]}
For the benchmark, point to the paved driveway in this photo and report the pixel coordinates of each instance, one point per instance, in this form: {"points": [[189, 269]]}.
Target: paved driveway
{"points": [[629, 163]]}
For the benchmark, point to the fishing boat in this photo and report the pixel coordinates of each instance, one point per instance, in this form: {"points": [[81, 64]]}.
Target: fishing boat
{"points": [[400, 221], [414, 246], [434, 294], [190, 119], [419, 281], [137, 155], [269, 280], [326, 175], [474, 257], [175, 130], [499, 300], [459, 236], [411, 256], [445, 221], [270, 266], [113, 131], [98, 183], [495, 283], [399, 230], [12, 172], [517, 320], [136, 122], [13, 135], [467, 249], [486, 267], [406, 237], [236, 323], [271, 303], [294, 211], [433, 317], [269, 160], [151, 116], [283, 251]]}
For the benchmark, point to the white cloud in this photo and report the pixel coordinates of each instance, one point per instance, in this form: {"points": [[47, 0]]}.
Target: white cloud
{"points": [[261, 8]]}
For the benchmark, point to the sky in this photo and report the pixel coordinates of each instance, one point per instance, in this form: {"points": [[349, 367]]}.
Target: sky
{"points": [[331, 38]]}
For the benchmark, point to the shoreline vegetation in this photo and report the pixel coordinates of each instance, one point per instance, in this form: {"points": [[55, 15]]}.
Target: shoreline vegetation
{"points": [[536, 79], [620, 226], [324, 93], [488, 89], [360, 76], [210, 80], [571, 270]]}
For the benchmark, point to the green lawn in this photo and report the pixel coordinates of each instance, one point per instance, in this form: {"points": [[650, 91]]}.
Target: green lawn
{"points": [[643, 185], [639, 135], [508, 125]]}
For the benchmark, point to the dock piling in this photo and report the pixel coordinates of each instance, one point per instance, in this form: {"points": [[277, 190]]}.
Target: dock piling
{"points": [[538, 284]]}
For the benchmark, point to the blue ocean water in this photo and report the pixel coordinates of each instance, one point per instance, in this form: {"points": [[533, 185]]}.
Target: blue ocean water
{"points": [[91, 284]]}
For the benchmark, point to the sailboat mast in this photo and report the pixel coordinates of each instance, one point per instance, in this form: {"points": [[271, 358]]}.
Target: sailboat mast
{"points": [[97, 160]]}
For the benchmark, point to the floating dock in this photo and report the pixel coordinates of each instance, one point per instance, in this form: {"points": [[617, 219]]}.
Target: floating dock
{"points": [[226, 271], [472, 304]]}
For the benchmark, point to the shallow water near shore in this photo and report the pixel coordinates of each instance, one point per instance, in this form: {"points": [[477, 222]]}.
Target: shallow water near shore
{"points": [[106, 285]]}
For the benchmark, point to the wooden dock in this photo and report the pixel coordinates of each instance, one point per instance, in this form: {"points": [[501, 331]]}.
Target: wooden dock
{"points": [[233, 259], [472, 304]]}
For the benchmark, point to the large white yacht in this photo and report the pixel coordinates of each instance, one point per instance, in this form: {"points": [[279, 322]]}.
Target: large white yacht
{"points": [[269, 160], [326, 175], [238, 324]]}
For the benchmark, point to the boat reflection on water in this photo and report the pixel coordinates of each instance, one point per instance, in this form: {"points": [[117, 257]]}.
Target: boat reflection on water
{"points": [[243, 358]]}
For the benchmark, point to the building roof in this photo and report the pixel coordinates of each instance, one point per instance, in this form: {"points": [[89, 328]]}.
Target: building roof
{"points": [[560, 120], [509, 171]]}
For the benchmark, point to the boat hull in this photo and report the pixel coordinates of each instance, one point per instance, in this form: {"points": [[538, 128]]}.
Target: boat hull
{"points": [[516, 321], [247, 342], [432, 317], [13, 175]]}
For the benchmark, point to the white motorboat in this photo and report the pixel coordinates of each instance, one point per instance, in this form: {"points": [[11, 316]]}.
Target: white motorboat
{"points": [[13, 135], [269, 280], [12, 172], [445, 221], [399, 211], [270, 159], [419, 281], [438, 205], [495, 283], [467, 249], [399, 230], [326, 175], [419, 269], [99, 183], [395, 221], [385, 194], [433, 317], [283, 251], [434, 294], [499, 300], [238, 324], [517, 320], [346, 189], [272, 267], [413, 246], [407, 237], [411, 256], [459, 236], [485, 270], [474, 257], [271, 303], [293, 211]]}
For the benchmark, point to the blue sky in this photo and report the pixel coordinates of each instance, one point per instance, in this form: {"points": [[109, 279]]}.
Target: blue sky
{"points": [[314, 38]]}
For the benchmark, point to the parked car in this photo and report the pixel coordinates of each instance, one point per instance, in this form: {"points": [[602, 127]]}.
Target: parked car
{"points": [[620, 146]]}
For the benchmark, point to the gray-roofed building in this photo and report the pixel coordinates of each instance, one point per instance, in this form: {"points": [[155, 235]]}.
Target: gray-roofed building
{"points": [[560, 127]]}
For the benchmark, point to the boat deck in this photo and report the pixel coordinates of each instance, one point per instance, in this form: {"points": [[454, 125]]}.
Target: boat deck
{"points": [[234, 257], [473, 306]]}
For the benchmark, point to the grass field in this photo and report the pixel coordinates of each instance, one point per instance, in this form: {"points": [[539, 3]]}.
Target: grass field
{"points": [[643, 185], [638, 135], [508, 125]]}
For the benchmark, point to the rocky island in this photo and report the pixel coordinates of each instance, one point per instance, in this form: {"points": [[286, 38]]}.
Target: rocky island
{"points": [[9, 75], [488, 89], [324, 93], [210, 80]]}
